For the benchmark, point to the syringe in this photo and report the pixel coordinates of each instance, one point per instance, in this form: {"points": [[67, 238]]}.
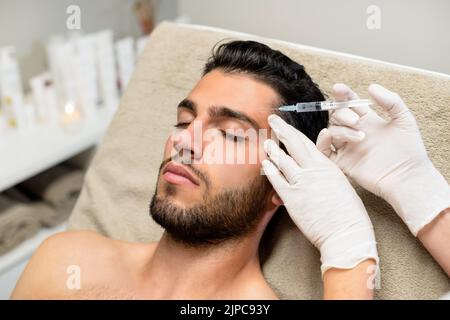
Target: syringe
{"points": [[325, 105]]}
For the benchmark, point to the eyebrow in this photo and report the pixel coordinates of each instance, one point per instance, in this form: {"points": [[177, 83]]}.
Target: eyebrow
{"points": [[219, 111], [188, 104]]}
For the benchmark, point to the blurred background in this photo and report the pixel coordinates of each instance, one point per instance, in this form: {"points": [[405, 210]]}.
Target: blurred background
{"points": [[28, 25], [64, 65], [414, 33]]}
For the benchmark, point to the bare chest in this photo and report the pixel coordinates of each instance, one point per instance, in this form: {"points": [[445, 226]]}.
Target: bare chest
{"points": [[101, 292]]}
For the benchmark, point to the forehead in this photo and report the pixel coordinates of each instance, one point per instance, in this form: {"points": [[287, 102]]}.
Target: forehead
{"points": [[238, 91]]}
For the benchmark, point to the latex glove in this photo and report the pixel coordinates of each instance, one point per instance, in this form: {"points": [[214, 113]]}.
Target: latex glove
{"points": [[319, 199], [389, 159]]}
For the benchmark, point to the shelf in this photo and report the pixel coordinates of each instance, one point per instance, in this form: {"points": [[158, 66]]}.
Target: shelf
{"points": [[26, 248], [24, 154], [13, 263], [28, 152]]}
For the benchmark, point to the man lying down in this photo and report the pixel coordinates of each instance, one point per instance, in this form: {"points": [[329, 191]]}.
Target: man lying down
{"points": [[214, 209]]}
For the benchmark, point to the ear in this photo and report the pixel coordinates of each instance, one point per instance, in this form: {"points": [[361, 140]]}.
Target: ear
{"points": [[276, 200]]}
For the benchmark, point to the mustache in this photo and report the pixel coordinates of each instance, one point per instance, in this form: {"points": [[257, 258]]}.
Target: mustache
{"points": [[201, 175]]}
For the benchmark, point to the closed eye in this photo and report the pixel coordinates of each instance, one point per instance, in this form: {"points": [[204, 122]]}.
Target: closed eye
{"points": [[232, 137], [225, 134], [182, 125]]}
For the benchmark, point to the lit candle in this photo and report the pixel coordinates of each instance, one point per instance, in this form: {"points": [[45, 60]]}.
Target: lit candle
{"points": [[71, 113]]}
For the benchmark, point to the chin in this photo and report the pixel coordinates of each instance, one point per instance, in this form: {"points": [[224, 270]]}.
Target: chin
{"points": [[179, 195]]}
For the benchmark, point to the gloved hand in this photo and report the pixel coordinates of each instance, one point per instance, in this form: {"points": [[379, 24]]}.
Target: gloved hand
{"points": [[319, 199], [387, 158]]}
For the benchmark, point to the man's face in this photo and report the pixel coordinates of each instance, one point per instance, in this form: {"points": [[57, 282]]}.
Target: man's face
{"points": [[210, 177]]}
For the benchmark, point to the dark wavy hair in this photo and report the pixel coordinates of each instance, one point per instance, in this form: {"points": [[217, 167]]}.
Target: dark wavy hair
{"points": [[287, 77]]}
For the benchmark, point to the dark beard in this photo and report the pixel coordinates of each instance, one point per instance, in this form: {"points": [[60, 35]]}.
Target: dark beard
{"points": [[229, 215]]}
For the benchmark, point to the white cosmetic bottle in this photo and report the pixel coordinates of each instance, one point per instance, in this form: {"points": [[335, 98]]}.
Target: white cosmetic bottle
{"points": [[125, 60], [106, 66], [11, 93]]}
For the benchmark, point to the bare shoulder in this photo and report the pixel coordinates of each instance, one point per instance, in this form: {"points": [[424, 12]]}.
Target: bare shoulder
{"points": [[73, 241], [60, 256], [74, 245]]}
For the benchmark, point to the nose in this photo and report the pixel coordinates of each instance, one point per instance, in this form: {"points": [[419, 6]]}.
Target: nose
{"points": [[188, 142]]}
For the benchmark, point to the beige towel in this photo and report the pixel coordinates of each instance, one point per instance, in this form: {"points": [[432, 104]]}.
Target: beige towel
{"points": [[82, 160], [59, 187], [18, 221], [121, 178]]}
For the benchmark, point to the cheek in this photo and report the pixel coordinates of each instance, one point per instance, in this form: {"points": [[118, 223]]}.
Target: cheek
{"points": [[232, 175], [218, 150]]}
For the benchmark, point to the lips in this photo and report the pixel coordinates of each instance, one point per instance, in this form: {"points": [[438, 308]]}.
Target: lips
{"points": [[177, 174]]}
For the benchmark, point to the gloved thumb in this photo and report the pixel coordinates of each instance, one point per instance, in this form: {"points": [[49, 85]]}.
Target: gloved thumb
{"points": [[389, 101]]}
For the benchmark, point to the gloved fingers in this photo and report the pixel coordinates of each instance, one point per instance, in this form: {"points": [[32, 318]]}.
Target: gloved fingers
{"points": [[344, 117], [342, 92], [340, 135], [274, 175], [324, 142], [389, 101], [299, 146], [284, 163]]}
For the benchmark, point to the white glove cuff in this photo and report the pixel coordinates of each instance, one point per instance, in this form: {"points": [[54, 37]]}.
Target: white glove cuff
{"points": [[347, 251], [420, 197]]}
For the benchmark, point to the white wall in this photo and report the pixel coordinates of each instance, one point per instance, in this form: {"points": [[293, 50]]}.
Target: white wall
{"points": [[414, 33]]}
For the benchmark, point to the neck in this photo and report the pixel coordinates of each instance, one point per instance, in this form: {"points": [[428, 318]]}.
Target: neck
{"points": [[178, 271]]}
